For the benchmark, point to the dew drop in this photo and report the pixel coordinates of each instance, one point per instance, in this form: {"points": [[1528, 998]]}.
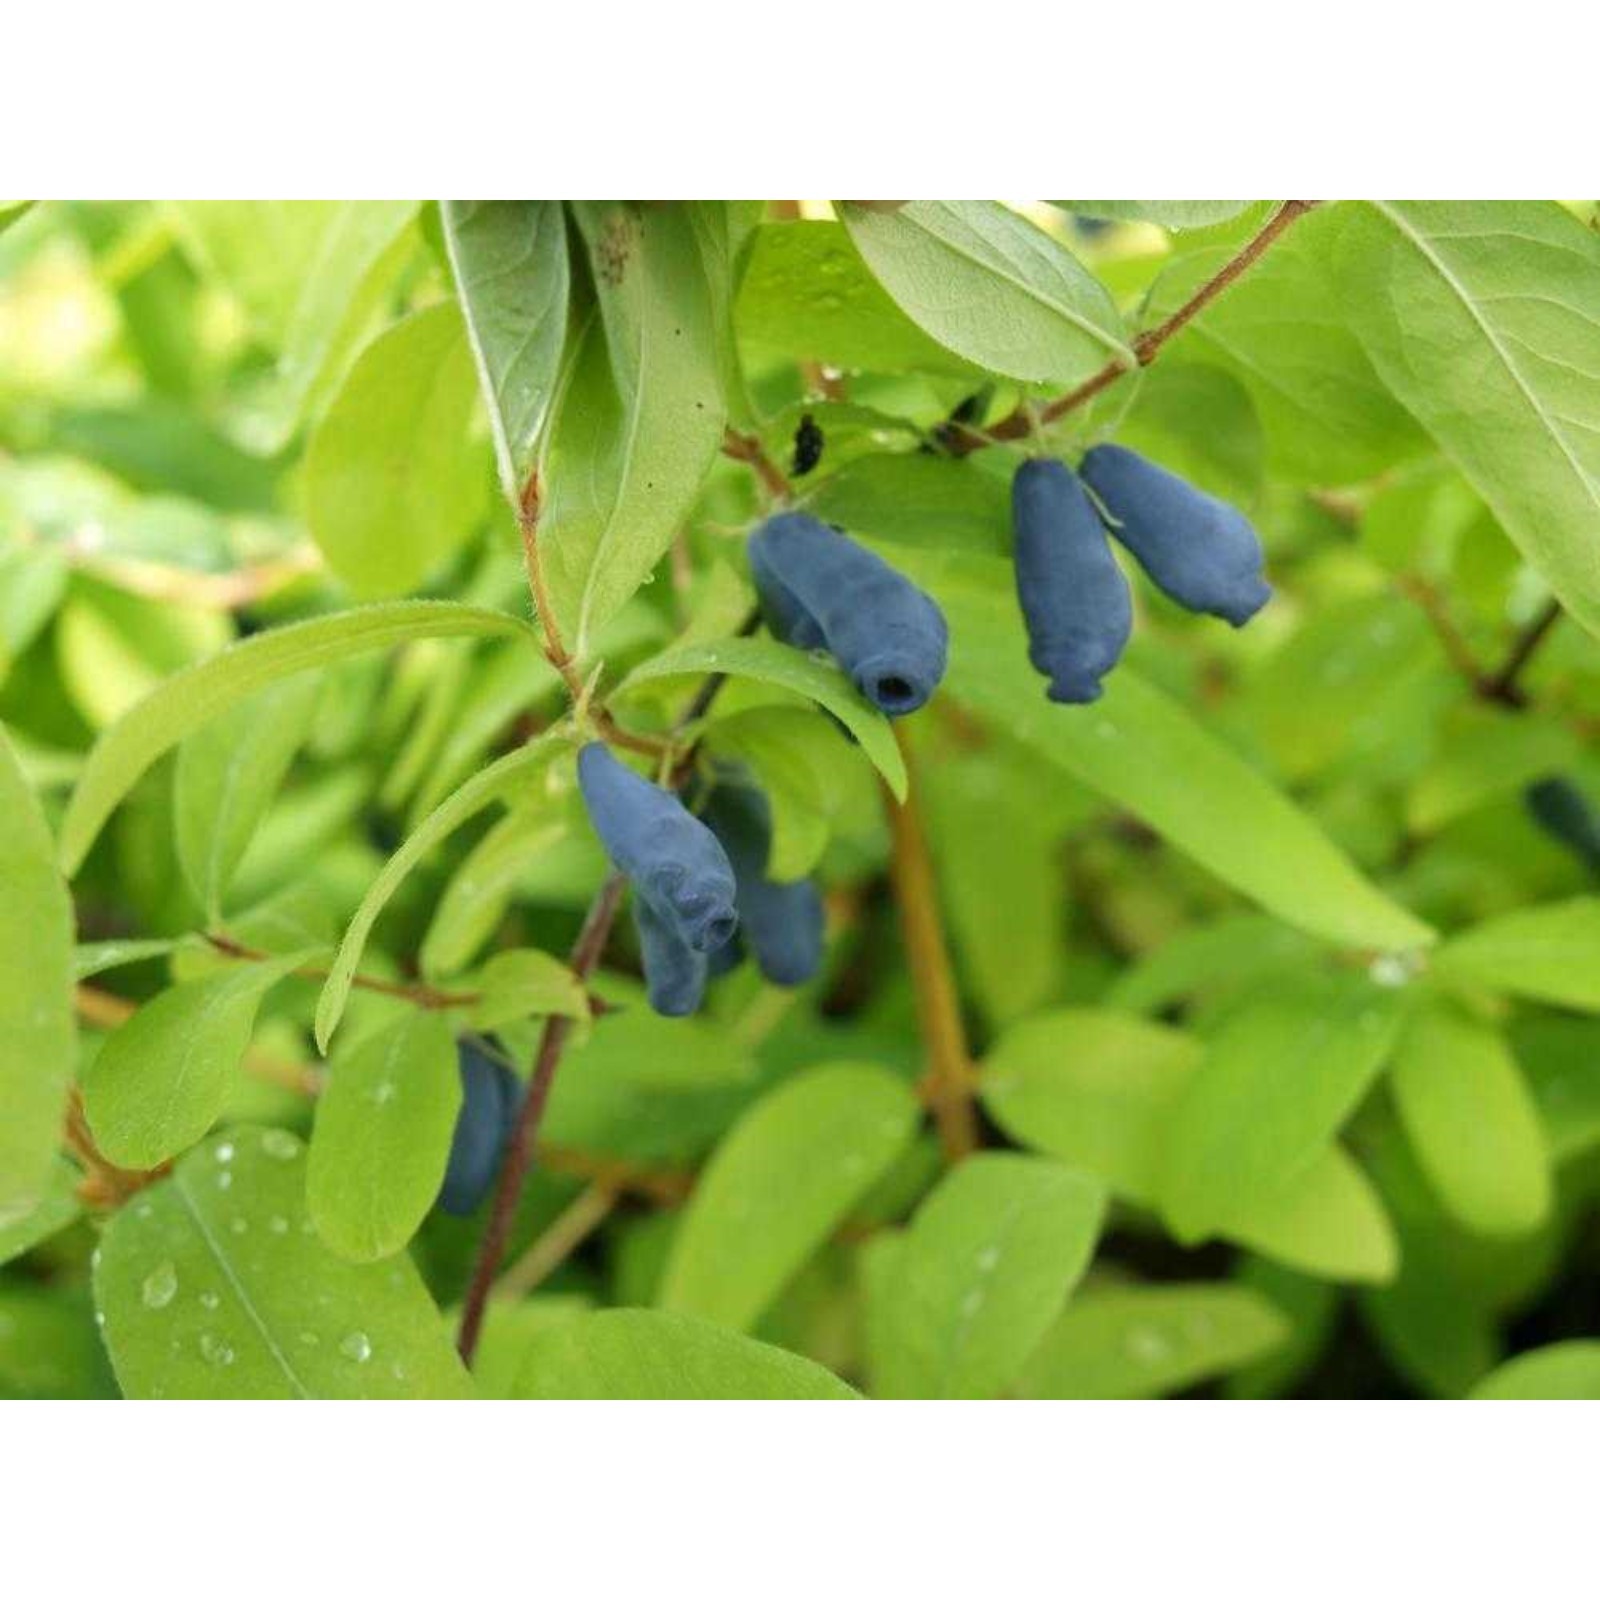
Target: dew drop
{"points": [[238, 1225], [278, 1225], [209, 1301], [216, 1352], [309, 1340], [224, 1153], [158, 1289], [988, 1258], [355, 1347], [224, 1180], [1147, 1345], [280, 1144]]}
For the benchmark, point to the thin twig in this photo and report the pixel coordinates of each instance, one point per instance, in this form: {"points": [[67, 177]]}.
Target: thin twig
{"points": [[586, 952], [947, 1084], [1026, 418], [417, 994], [1502, 685], [557, 1242], [1450, 637], [746, 447]]}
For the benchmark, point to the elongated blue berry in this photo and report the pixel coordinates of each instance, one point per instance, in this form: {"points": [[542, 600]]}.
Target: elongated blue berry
{"points": [[672, 858], [1199, 550], [822, 590], [782, 922], [674, 975], [1562, 810], [491, 1096], [1074, 597]]}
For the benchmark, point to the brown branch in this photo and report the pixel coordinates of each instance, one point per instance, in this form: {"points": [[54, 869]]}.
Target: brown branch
{"points": [[1502, 685], [586, 952], [105, 1185], [947, 1083], [1026, 419], [418, 994], [746, 447], [1450, 637]]}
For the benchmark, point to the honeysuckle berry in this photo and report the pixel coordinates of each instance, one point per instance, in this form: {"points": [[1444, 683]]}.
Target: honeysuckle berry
{"points": [[1197, 549], [674, 975], [821, 590], [1074, 597], [491, 1097], [781, 922], [1562, 810], [669, 855]]}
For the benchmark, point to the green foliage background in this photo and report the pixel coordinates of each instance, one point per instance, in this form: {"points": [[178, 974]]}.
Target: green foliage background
{"points": [[1275, 1017]]}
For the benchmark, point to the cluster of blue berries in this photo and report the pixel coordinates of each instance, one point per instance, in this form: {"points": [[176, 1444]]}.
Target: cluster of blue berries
{"points": [[1198, 550]]}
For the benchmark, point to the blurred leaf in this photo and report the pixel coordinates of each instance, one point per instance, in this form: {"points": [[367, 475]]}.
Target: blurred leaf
{"points": [[1145, 752], [1560, 1058], [89, 960], [1233, 951], [1484, 756], [661, 1355], [1278, 1080], [783, 1179], [48, 1346], [500, 781], [393, 480], [993, 287], [228, 774], [190, 698], [639, 418], [527, 983], [1549, 952], [509, 258], [56, 1208], [1173, 214], [1131, 1344], [927, 502], [36, 1028], [1472, 1123], [985, 1268], [807, 296], [767, 661], [1485, 321], [161, 1079], [214, 1287], [382, 1136], [1567, 1371]]}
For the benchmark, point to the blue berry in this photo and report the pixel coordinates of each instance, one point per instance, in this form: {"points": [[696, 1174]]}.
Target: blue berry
{"points": [[1073, 595], [1197, 549], [491, 1097], [1560, 808], [675, 976], [672, 858], [822, 590], [782, 922]]}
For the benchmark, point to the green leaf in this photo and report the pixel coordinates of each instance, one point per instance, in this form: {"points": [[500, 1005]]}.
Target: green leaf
{"points": [[927, 502], [49, 1349], [162, 1078], [1145, 752], [305, 273], [393, 479], [659, 1355], [1472, 1123], [1281, 332], [1279, 1079], [192, 697], [1557, 1056], [89, 960], [1484, 319], [1484, 756], [1233, 950], [806, 295], [37, 1037], [986, 1267], [1092, 1088], [509, 258], [1566, 1371], [1131, 1344], [1549, 952], [1100, 1090], [227, 775], [500, 781], [1174, 214], [56, 1208], [526, 983], [639, 419], [214, 1286], [767, 661], [991, 286], [779, 1184], [382, 1136]]}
